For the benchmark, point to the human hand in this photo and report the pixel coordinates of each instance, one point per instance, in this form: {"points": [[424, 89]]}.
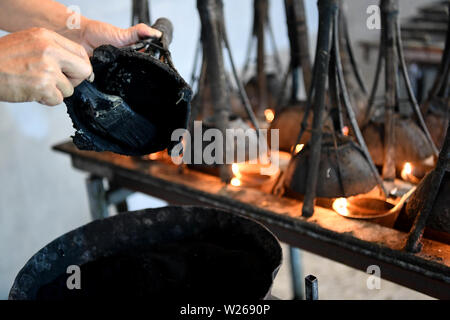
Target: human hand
{"points": [[40, 65], [95, 33]]}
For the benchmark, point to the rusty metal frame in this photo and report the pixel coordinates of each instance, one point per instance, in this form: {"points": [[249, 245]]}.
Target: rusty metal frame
{"points": [[357, 244]]}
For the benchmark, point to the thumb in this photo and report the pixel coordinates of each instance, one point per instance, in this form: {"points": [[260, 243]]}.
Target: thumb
{"points": [[139, 32]]}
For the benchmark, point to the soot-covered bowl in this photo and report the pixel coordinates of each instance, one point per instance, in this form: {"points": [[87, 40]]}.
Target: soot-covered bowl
{"points": [[134, 104]]}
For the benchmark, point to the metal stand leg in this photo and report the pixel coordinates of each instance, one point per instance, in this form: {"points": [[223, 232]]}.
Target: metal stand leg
{"points": [[311, 288], [118, 197], [296, 272], [97, 197], [100, 198], [122, 206]]}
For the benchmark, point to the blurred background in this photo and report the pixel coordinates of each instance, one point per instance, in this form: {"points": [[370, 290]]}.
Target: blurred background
{"points": [[42, 197]]}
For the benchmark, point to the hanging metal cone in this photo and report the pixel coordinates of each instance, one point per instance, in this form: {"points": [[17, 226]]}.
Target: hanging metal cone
{"points": [[429, 206], [396, 132], [343, 171], [210, 16], [405, 131], [439, 219], [213, 82], [287, 122], [433, 191], [330, 165]]}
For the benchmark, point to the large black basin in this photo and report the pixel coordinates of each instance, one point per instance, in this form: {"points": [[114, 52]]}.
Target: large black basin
{"points": [[168, 253]]}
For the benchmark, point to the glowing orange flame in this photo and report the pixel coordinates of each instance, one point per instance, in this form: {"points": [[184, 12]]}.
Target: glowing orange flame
{"points": [[269, 114], [340, 206], [299, 148], [406, 172], [156, 156], [235, 182], [345, 131], [407, 168]]}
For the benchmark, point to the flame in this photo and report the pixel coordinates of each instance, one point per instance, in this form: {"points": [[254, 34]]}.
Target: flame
{"points": [[153, 156], [340, 206], [345, 131], [235, 182], [269, 114], [406, 173], [299, 148], [407, 168]]}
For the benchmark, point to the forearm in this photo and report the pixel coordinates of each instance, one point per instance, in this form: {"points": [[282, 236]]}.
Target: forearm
{"points": [[17, 15]]}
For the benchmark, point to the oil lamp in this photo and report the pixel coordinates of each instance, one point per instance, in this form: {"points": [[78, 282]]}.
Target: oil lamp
{"points": [[393, 135], [330, 165], [371, 208], [250, 175]]}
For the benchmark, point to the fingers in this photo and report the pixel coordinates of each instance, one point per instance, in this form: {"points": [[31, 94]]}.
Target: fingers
{"points": [[64, 85], [53, 91], [138, 32], [72, 57], [52, 97], [74, 67], [144, 31], [71, 46]]}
